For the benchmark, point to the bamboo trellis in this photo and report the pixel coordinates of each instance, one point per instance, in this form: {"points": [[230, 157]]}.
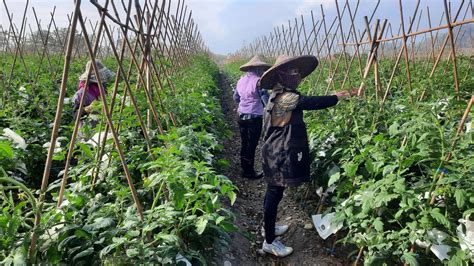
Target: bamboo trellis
{"points": [[145, 32], [328, 38]]}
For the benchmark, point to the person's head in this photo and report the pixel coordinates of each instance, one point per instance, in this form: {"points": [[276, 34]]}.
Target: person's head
{"points": [[105, 74], [256, 66], [257, 70], [288, 71], [289, 77]]}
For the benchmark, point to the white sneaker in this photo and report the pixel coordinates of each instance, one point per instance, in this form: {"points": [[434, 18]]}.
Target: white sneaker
{"points": [[277, 248], [279, 229]]}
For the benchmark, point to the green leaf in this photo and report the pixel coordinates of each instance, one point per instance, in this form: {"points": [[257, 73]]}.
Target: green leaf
{"points": [[220, 219], [389, 169], [333, 179], [440, 218], [378, 225], [207, 186], [178, 194], [99, 223], [107, 249], [83, 253], [64, 243], [133, 233], [170, 238], [369, 165], [132, 252], [350, 169], [232, 196], [393, 129], [201, 225], [409, 257], [460, 198], [5, 150]]}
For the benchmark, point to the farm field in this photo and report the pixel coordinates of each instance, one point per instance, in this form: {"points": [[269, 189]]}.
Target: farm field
{"points": [[147, 171], [375, 169]]}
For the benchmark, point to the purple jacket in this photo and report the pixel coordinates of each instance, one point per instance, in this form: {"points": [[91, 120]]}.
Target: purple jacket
{"points": [[248, 95]]}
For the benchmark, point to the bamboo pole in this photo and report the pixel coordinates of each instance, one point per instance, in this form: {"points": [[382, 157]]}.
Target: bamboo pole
{"points": [[453, 49], [373, 51], [78, 116], [436, 178], [442, 27], [17, 40], [105, 110], [57, 122], [405, 48]]}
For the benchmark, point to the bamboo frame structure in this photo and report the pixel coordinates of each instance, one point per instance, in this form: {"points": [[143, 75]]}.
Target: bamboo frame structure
{"points": [[377, 41], [146, 37]]}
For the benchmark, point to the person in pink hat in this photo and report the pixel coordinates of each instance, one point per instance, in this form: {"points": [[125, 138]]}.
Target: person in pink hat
{"points": [[251, 99], [92, 92]]}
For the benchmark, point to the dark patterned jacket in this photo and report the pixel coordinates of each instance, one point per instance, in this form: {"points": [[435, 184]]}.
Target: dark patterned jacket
{"points": [[285, 152]]}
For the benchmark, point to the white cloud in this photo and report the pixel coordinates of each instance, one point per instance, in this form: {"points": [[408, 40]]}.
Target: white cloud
{"points": [[208, 14], [307, 5]]}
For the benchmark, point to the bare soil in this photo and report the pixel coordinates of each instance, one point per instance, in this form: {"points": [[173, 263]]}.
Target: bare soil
{"points": [[245, 246]]}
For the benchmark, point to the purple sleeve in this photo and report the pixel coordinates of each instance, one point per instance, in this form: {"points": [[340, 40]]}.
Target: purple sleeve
{"points": [[88, 99]]}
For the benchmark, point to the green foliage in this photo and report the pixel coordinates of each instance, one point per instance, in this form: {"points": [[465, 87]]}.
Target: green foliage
{"points": [[180, 192], [382, 164]]}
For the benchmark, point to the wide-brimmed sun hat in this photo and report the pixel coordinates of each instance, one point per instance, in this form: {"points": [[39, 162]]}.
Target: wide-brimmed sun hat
{"points": [[304, 63], [256, 61], [104, 73]]}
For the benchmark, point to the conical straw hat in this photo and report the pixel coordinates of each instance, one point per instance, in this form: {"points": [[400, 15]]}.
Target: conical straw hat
{"points": [[105, 73], [256, 61], [305, 63]]}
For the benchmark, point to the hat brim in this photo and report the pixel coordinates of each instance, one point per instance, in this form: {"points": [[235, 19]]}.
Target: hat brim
{"points": [[305, 63], [246, 67]]}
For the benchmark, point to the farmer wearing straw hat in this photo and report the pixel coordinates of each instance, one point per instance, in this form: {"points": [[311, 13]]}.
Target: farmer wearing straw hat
{"points": [[251, 101], [285, 152], [93, 91]]}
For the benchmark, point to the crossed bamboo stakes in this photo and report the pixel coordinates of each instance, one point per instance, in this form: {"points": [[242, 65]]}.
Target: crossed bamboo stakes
{"points": [[146, 36]]}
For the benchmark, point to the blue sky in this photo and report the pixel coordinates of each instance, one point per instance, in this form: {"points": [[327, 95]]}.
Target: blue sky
{"points": [[228, 24]]}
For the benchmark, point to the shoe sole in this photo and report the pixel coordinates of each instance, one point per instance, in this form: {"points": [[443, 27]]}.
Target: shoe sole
{"points": [[270, 253]]}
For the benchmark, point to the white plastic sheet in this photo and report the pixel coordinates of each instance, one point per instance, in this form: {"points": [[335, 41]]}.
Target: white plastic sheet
{"points": [[17, 139], [324, 224], [441, 251], [466, 237]]}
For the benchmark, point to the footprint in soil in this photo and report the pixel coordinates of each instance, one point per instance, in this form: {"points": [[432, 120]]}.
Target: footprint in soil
{"points": [[245, 246]]}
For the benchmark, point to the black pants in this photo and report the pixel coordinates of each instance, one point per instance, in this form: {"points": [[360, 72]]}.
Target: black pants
{"points": [[270, 208], [250, 131]]}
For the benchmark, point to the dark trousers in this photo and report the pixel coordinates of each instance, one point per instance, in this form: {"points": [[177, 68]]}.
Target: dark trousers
{"points": [[270, 207], [250, 131]]}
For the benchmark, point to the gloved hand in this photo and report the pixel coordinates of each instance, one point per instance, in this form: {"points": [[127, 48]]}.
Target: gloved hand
{"points": [[347, 93], [88, 109]]}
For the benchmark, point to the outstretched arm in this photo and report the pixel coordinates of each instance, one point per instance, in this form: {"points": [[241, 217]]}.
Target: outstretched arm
{"points": [[322, 102]]}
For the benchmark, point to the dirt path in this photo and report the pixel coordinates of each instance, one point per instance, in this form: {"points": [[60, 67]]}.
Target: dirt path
{"points": [[245, 246]]}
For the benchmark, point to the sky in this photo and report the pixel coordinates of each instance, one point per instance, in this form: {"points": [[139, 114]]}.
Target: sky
{"points": [[226, 25]]}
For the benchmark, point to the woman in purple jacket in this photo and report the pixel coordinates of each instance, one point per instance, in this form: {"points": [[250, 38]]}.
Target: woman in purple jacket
{"points": [[251, 101]]}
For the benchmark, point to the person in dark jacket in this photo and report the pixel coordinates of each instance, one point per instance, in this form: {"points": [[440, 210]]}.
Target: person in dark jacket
{"points": [[285, 151], [252, 100]]}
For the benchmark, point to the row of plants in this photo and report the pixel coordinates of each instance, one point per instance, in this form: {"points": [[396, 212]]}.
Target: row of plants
{"points": [[181, 194], [378, 169]]}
